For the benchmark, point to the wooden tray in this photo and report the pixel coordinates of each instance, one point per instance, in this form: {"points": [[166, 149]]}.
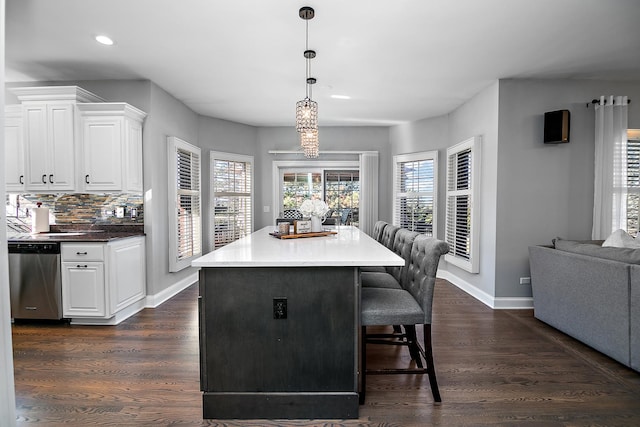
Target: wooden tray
{"points": [[299, 236]]}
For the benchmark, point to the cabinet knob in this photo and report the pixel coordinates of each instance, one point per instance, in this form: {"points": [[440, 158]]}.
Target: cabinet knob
{"points": [[44, 178], [21, 179], [51, 178], [86, 179]]}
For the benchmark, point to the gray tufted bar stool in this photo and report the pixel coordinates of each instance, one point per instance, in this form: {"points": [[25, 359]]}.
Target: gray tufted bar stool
{"points": [[408, 306], [378, 229]]}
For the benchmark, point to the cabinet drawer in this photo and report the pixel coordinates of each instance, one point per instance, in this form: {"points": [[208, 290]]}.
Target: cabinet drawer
{"points": [[82, 252]]}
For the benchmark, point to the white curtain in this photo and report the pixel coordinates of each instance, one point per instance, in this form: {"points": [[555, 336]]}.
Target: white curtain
{"points": [[368, 214], [610, 187]]}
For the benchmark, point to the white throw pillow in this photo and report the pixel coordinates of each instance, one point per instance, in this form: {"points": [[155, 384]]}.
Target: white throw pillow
{"points": [[621, 239]]}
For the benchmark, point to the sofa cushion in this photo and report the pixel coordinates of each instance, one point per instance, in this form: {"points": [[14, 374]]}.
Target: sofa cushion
{"points": [[621, 239], [627, 255]]}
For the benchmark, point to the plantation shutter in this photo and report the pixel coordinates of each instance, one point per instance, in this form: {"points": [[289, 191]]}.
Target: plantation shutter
{"points": [[231, 187], [184, 203], [461, 230], [415, 192]]}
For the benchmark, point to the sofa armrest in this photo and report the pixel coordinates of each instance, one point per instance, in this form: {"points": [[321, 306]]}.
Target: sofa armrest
{"points": [[584, 296]]}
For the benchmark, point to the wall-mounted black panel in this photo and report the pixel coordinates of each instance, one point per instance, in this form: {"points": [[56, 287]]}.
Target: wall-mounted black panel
{"points": [[556, 126]]}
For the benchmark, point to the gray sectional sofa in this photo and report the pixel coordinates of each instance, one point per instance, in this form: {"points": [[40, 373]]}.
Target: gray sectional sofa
{"points": [[591, 293]]}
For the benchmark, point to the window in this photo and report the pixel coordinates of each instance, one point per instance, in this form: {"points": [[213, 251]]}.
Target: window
{"points": [[185, 237], [342, 193], [232, 197], [415, 191], [340, 189], [300, 185], [463, 191], [633, 180]]}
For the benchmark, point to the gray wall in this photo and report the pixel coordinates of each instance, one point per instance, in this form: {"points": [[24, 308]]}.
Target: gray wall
{"points": [[531, 192], [228, 137], [545, 190], [478, 116]]}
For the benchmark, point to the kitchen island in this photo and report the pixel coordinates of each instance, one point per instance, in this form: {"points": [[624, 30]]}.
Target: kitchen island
{"points": [[279, 324]]}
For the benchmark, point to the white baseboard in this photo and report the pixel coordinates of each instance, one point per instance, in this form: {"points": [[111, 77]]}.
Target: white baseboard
{"points": [[116, 319], [497, 303], [155, 300]]}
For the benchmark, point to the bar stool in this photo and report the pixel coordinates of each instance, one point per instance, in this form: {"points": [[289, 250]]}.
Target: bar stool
{"points": [[408, 306]]}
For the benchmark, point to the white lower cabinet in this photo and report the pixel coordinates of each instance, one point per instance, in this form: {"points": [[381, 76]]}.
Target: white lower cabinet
{"points": [[103, 283], [83, 289]]}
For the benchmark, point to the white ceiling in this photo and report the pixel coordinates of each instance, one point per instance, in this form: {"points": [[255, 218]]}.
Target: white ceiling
{"points": [[398, 60]]}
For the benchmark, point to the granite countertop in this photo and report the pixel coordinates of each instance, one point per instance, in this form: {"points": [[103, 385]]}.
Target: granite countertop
{"points": [[79, 233]]}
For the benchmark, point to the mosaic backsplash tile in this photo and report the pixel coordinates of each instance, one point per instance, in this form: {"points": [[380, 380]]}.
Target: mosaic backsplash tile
{"points": [[99, 209]]}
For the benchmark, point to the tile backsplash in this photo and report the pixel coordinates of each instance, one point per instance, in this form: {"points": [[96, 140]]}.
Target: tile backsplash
{"points": [[65, 209]]}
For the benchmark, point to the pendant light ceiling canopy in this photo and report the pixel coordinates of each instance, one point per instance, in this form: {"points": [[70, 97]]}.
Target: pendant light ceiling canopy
{"points": [[307, 109]]}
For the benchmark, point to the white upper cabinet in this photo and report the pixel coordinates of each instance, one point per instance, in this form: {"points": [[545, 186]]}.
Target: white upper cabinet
{"points": [[111, 148], [13, 149], [73, 141], [49, 125], [50, 147]]}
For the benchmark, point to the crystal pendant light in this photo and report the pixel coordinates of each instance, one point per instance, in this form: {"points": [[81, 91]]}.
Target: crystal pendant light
{"points": [[309, 143], [307, 109]]}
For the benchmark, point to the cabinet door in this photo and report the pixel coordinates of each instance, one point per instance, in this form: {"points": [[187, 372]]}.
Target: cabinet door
{"points": [[126, 267], [83, 290], [133, 162], [35, 138], [61, 175], [49, 147], [102, 138], [14, 153]]}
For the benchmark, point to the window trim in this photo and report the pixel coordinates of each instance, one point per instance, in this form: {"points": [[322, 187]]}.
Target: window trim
{"points": [[241, 158], [472, 265], [413, 157], [173, 145]]}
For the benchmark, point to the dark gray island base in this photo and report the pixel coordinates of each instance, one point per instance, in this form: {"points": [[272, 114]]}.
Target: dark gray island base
{"points": [[279, 342]]}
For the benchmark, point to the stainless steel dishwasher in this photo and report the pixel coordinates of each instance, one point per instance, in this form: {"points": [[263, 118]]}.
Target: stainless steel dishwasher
{"points": [[35, 281]]}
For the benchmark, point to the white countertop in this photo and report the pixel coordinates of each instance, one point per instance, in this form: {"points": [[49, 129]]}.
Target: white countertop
{"points": [[349, 247]]}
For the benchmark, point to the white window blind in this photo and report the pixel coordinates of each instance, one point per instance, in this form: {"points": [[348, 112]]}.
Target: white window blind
{"points": [[415, 191], [232, 197], [462, 229], [633, 181], [184, 203]]}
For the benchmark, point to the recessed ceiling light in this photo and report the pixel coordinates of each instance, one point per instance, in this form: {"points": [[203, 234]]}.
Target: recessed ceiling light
{"points": [[340, 96], [104, 40]]}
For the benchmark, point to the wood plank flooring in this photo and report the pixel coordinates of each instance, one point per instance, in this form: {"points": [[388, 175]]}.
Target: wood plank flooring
{"points": [[499, 367]]}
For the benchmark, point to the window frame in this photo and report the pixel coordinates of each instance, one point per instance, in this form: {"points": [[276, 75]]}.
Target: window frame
{"points": [[231, 157], [400, 159], [470, 262], [177, 261]]}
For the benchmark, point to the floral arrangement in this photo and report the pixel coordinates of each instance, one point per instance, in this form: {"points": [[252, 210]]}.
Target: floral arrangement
{"points": [[314, 208]]}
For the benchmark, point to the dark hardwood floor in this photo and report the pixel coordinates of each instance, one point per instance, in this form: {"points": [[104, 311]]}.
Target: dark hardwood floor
{"points": [[500, 367]]}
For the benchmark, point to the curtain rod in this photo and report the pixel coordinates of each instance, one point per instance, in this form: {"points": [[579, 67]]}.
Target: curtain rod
{"points": [[320, 152], [595, 101]]}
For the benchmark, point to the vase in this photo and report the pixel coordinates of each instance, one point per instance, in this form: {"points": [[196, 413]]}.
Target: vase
{"points": [[316, 224]]}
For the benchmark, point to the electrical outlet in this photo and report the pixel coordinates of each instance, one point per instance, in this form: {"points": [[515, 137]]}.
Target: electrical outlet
{"points": [[525, 280], [279, 308], [119, 212], [134, 212]]}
